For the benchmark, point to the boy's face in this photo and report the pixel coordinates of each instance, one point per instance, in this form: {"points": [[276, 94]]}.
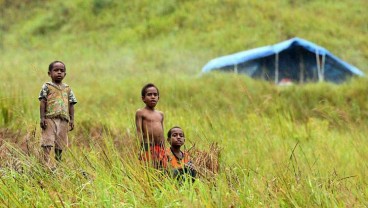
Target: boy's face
{"points": [[57, 72], [177, 137], [151, 97]]}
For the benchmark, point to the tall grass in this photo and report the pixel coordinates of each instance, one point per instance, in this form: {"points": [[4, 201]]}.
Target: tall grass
{"points": [[297, 146], [301, 146]]}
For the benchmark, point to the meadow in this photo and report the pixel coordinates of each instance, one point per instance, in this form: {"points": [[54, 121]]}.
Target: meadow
{"points": [[297, 146]]}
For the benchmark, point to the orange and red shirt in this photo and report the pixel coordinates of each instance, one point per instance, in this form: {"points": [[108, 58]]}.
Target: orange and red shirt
{"points": [[175, 162]]}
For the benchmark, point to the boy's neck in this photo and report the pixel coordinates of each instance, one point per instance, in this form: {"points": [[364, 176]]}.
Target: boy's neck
{"points": [[57, 83], [177, 152], [150, 108], [175, 149]]}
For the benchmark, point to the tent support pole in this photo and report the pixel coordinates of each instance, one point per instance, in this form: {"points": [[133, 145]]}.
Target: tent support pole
{"points": [[301, 69], [236, 68], [277, 68], [323, 66], [320, 79], [263, 71]]}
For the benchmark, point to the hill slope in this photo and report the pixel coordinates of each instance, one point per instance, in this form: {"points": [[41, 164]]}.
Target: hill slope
{"points": [[182, 35], [297, 146]]}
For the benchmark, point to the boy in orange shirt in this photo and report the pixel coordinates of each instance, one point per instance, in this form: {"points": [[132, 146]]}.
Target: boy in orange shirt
{"points": [[179, 163]]}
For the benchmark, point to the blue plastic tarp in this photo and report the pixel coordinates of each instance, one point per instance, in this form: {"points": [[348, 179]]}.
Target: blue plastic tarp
{"points": [[294, 56]]}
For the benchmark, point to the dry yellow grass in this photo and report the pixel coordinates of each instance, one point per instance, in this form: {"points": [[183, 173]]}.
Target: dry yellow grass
{"points": [[206, 160]]}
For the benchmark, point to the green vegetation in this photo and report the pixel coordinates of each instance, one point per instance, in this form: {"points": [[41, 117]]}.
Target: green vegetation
{"points": [[298, 146]]}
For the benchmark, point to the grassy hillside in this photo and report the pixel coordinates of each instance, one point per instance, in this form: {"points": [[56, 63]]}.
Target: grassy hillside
{"points": [[299, 146], [178, 36]]}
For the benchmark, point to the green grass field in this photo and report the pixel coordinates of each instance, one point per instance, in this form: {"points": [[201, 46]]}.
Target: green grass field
{"points": [[298, 146]]}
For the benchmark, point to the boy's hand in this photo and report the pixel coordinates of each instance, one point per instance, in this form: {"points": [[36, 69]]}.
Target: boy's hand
{"points": [[43, 123], [190, 166], [71, 124]]}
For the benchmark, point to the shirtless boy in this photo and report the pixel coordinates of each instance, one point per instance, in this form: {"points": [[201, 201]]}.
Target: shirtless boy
{"points": [[150, 128]]}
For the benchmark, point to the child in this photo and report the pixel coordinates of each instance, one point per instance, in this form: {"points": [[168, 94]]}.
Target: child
{"points": [[179, 161], [56, 110], [150, 129]]}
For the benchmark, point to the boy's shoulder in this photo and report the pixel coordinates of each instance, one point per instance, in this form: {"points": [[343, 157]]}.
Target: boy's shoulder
{"points": [[144, 109], [52, 84], [184, 152], [160, 112], [141, 111]]}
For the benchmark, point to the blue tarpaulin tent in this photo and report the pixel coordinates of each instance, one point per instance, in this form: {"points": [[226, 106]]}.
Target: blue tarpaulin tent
{"points": [[297, 60]]}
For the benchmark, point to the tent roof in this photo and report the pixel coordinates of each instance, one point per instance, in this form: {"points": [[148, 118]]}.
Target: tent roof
{"points": [[244, 56]]}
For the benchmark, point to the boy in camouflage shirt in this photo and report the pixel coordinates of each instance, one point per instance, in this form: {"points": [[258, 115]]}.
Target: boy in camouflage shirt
{"points": [[57, 102]]}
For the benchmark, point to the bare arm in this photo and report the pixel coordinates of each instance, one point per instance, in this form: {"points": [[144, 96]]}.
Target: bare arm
{"points": [[71, 115], [138, 124], [162, 124], [43, 113]]}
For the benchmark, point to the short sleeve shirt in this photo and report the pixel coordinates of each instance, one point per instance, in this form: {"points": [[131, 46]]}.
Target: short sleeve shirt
{"points": [[45, 90]]}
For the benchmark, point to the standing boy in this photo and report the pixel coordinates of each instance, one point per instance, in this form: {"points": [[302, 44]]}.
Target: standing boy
{"points": [[56, 111], [150, 128]]}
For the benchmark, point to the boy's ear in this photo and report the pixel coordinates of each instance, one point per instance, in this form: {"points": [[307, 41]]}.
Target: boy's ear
{"points": [[49, 73]]}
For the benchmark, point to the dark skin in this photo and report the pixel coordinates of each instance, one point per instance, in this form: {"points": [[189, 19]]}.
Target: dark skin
{"points": [[149, 122], [57, 75], [176, 140]]}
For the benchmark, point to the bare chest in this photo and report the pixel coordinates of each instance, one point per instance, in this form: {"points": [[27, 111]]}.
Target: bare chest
{"points": [[152, 118]]}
